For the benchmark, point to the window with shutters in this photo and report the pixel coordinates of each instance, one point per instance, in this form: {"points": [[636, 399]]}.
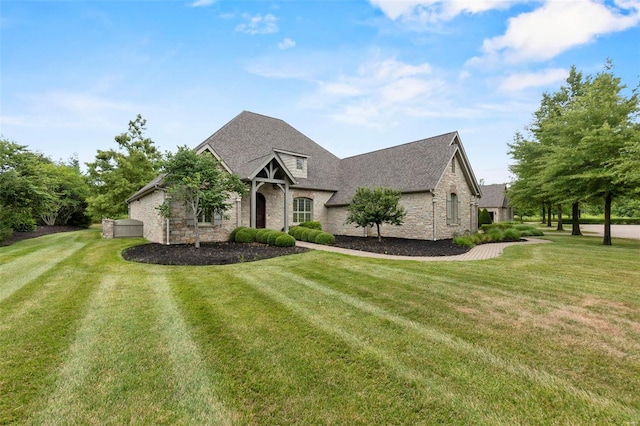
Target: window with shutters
{"points": [[208, 217]]}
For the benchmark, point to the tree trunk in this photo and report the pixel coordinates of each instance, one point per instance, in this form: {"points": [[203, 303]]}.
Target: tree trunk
{"points": [[544, 213], [559, 228], [607, 220], [196, 231], [549, 215], [379, 237], [575, 220]]}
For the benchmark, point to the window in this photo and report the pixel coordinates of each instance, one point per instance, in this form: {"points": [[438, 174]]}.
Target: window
{"points": [[453, 216], [208, 217], [299, 163], [302, 210]]}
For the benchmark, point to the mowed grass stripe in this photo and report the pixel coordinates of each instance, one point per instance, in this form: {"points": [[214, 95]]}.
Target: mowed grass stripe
{"points": [[21, 271], [473, 352], [429, 385], [195, 393]]}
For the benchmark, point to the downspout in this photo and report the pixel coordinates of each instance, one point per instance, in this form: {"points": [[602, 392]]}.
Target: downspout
{"points": [[168, 232], [435, 234]]}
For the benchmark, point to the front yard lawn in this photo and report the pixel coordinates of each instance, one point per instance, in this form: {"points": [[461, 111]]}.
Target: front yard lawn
{"points": [[545, 334]]}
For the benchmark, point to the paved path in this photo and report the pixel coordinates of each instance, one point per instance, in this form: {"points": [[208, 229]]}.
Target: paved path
{"points": [[480, 252], [617, 231]]}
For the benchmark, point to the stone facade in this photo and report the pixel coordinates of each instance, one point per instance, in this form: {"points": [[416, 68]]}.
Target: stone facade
{"points": [[144, 209], [107, 228]]}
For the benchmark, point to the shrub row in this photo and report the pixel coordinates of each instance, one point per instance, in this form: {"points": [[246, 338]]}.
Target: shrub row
{"points": [[242, 234], [303, 233], [497, 232]]}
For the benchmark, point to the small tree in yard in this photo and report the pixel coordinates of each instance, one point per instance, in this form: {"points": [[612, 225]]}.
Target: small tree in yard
{"points": [[374, 207], [200, 182]]}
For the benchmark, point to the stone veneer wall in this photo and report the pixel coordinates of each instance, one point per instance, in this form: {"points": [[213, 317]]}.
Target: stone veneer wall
{"points": [[455, 182], [145, 211], [420, 219], [182, 231]]}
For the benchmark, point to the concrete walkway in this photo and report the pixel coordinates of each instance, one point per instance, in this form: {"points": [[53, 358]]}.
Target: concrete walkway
{"points": [[480, 252]]}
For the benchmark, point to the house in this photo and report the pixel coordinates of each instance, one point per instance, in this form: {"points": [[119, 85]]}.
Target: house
{"points": [[292, 179], [494, 199]]}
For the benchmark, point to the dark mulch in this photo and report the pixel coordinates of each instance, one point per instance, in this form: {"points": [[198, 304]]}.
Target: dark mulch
{"points": [[39, 232], [207, 254], [401, 246], [227, 253]]}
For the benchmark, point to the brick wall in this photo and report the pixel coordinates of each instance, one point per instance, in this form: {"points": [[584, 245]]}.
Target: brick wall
{"points": [[145, 211]]}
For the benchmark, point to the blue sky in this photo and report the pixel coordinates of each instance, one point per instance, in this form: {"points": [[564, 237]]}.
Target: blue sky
{"points": [[354, 76]]}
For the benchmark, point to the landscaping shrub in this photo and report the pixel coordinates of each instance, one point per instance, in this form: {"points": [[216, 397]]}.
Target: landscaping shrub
{"points": [[303, 234], [5, 232], [246, 235], [297, 233], [494, 234], [325, 238], [464, 240], [262, 235], [511, 234], [528, 230], [18, 221], [285, 240], [312, 235], [484, 217], [273, 236], [292, 230], [232, 236], [312, 225]]}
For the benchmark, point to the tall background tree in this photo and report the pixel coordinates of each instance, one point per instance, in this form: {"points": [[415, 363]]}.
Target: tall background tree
{"points": [[200, 182], [586, 145], [376, 206], [117, 173]]}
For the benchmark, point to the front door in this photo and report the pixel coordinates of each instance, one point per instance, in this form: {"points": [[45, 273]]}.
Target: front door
{"points": [[260, 211]]}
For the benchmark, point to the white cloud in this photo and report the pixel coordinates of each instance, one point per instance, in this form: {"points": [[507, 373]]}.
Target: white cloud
{"points": [[556, 27], [258, 24], [516, 82], [202, 3], [287, 43], [431, 11]]}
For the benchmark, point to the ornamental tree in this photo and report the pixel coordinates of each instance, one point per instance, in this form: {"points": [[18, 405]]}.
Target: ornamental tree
{"points": [[200, 182], [370, 207]]}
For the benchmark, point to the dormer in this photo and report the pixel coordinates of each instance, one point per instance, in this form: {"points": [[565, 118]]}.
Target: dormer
{"points": [[295, 162]]}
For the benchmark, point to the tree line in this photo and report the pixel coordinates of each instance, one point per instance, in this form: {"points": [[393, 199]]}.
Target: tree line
{"points": [[583, 146], [34, 189]]}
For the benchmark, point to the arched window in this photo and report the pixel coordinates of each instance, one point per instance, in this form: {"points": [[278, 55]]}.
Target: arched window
{"points": [[302, 210], [453, 210]]}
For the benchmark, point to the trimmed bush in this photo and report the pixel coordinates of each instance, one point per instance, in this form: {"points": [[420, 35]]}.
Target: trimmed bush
{"points": [[297, 233], [292, 230], [494, 234], [312, 225], [273, 236], [303, 234], [262, 235], [312, 235], [232, 236], [285, 240], [246, 235], [325, 238], [484, 217]]}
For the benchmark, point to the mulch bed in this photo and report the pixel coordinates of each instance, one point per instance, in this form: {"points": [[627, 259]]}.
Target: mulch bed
{"points": [[207, 254], [227, 253]]}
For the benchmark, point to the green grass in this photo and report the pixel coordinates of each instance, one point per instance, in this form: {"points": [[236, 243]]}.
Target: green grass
{"points": [[546, 334]]}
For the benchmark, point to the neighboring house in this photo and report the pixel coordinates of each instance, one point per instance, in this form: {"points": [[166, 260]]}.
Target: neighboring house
{"points": [[494, 199], [292, 179]]}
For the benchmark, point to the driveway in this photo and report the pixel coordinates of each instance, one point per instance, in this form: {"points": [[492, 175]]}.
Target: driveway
{"points": [[617, 231]]}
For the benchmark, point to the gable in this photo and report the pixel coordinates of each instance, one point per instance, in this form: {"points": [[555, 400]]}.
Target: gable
{"points": [[413, 167]]}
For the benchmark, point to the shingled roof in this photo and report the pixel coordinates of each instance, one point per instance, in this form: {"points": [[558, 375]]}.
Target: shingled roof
{"points": [[493, 196], [411, 167], [249, 138]]}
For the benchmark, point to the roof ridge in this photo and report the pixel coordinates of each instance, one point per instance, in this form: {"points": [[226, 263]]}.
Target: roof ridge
{"points": [[401, 145]]}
